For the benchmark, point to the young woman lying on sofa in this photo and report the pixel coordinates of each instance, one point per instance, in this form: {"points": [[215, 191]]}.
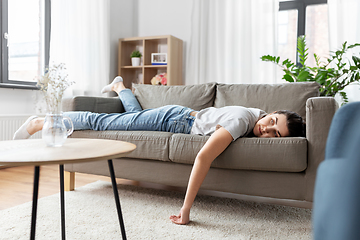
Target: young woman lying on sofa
{"points": [[224, 124]]}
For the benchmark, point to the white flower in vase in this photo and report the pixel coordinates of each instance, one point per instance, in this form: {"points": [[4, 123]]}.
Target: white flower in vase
{"points": [[53, 84]]}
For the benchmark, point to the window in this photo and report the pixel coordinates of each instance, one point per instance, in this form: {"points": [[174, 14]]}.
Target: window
{"points": [[303, 17], [25, 39], [317, 32], [287, 34]]}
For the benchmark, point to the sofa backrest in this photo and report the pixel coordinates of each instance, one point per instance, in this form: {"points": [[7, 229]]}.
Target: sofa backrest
{"points": [[196, 97], [268, 97]]}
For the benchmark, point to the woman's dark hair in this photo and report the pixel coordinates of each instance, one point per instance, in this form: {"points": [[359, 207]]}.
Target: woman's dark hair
{"points": [[295, 123]]}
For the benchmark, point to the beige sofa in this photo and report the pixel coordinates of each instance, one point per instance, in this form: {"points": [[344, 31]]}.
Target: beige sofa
{"points": [[273, 170]]}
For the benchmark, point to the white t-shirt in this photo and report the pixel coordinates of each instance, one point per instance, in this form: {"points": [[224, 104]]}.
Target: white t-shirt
{"points": [[237, 120]]}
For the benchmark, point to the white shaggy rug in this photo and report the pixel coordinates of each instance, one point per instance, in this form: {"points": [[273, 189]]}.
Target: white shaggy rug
{"points": [[91, 214]]}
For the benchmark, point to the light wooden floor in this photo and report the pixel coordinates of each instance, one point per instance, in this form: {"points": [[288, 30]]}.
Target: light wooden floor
{"points": [[16, 184]]}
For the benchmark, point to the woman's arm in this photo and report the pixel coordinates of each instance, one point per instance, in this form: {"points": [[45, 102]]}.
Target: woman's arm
{"points": [[214, 146]]}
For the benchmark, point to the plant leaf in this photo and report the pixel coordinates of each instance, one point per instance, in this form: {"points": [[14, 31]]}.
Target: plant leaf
{"points": [[344, 97], [288, 63], [356, 60], [354, 45], [317, 60], [301, 48], [268, 58], [304, 75], [353, 68], [288, 78], [277, 60]]}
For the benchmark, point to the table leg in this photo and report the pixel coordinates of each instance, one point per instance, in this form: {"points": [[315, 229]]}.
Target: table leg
{"points": [[34, 203], [117, 200], [62, 201]]}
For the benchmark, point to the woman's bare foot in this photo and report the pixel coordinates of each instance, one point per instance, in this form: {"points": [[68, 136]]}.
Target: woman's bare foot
{"points": [[183, 218]]}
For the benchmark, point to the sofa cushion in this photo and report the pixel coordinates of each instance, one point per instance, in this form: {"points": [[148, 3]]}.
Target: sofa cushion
{"points": [[268, 97], [93, 104], [270, 154], [194, 96], [149, 144]]}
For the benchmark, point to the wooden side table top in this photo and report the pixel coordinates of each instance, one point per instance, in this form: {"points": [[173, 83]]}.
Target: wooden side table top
{"points": [[75, 150]]}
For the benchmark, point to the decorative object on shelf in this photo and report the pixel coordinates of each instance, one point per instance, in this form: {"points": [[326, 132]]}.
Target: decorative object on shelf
{"points": [[135, 58], [159, 59], [53, 84], [159, 79], [333, 75]]}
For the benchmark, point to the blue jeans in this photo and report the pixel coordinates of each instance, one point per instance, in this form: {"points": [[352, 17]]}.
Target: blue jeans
{"points": [[170, 118]]}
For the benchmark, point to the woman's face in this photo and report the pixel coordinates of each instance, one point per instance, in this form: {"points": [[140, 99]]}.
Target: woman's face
{"points": [[272, 125]]}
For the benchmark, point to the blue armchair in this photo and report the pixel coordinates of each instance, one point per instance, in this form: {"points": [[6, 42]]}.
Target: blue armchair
{"points": [[336, 208]]}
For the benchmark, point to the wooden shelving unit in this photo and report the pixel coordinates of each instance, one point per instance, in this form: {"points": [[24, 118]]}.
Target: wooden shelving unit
{"points": [[145, 72]]}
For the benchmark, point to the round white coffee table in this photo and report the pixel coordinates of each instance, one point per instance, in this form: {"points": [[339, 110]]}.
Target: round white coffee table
{"points": [[75, 150]]}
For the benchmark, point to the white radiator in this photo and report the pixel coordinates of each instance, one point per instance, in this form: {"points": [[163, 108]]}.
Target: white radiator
{"points": [[10, 123]]}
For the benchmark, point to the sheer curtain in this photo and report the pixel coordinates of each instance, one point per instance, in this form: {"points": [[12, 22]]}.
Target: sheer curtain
{"points": [[344, 19], [227, 40], [80, 38]]}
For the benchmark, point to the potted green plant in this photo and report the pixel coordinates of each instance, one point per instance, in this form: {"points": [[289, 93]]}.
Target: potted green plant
{"points": [[333, 75], [135, 58]]}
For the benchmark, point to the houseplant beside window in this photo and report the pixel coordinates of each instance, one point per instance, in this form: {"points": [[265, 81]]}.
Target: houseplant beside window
{"points": [[333, 74]]}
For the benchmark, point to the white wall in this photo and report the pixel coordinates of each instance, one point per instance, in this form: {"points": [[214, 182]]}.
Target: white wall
{"points": [[122, 24], [166, 17], [18, 101]]}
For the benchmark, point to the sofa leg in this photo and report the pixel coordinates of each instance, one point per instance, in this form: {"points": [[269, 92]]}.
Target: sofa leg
{"points": [[69, 179]]}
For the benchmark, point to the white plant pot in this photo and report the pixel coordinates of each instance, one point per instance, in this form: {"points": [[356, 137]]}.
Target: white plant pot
{"points": [[135, 61]]}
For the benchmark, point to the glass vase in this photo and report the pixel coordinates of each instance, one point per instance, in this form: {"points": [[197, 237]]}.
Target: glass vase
{"points": [[54, 131]]}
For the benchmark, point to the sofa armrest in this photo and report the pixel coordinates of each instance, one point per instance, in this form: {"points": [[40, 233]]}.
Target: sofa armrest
{"points": [[319, 114], [93, 104]]}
